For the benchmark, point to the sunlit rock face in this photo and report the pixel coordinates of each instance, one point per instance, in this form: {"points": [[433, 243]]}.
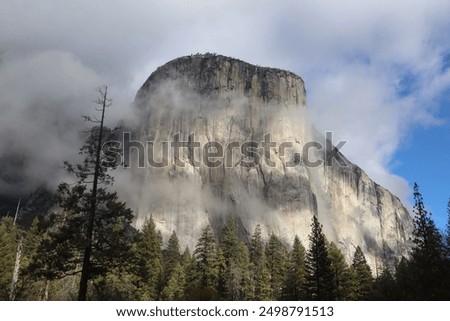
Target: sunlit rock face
{"points": [[220, 137]]}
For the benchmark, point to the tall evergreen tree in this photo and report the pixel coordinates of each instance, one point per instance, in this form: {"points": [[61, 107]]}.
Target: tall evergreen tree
{"points": [[404, 280], [296, 273], [60, 253], [428, 261], [257, 247], [189, 264], [319, 276], [149, 265], [171, 256], [235, 254], [118, 284], [30, 289], [92, 167], [222, 273], [205, 255], [363, 275], [175, 285], [186, 258], [203, 277], [91, 233], [276, 256], [259, 275], [343, 284], [263, 289], [384, 287]]}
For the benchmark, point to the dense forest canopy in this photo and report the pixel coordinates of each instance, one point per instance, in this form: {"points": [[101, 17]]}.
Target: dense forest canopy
{"points": [[220, 267]]}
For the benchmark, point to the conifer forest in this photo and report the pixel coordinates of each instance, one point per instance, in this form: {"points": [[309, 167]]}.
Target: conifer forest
{"points": [[86, 248], [127, 264]]}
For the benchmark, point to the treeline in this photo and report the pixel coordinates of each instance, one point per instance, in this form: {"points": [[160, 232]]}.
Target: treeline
{"points": [[134, 265]]}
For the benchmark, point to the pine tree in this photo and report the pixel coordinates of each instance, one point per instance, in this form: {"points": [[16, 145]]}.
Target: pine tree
{"points": [[171, 256], [319, 277], [428, 258], [275, 254], [342, 278], [259, 275], [244, 266], [404, 280], [186, 258], [222, 273], [296, 273], [363, 275], [175, 286], [263, 288], [187, 263], [203, 275], [384, 287], [90, 234], [206, 259], [118, 284], [257, 248], [149, 266], [60, 253], [98, 173], [236, 260], [30, 289]]}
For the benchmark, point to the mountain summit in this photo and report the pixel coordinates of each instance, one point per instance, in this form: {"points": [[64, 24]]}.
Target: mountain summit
{"points": [[218, 137]]}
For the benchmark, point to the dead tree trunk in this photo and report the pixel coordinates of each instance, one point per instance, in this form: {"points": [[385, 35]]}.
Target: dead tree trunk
{"points": [[15, 277]]}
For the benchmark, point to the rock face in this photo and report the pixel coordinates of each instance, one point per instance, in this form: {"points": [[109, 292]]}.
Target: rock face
{"points": [[225, 137]]}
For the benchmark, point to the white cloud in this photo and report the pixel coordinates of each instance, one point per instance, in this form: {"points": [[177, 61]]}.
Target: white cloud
{"points": [[373, 69]]}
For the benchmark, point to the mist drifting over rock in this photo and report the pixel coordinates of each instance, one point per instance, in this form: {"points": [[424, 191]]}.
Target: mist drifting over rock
{"points": [[218, 136]]}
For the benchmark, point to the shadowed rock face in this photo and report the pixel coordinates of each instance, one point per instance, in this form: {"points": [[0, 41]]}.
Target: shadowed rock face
{"points": [[201, 99]]}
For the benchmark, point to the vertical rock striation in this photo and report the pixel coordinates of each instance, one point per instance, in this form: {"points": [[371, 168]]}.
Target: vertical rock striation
{"points": [[199, 99]]}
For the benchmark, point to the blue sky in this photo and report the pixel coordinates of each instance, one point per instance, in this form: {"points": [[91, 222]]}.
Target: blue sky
{"points": [[424, 158], [424, 154], [377, 73]]}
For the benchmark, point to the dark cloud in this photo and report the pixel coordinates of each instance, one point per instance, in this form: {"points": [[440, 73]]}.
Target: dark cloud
{"points": [[42, 98]]}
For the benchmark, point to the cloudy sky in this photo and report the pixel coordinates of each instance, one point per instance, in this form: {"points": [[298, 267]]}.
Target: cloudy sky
{"points": [[377, 74]]}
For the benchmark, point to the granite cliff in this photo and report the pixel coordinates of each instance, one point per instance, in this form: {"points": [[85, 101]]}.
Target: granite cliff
{"points": [[196, 115]]}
